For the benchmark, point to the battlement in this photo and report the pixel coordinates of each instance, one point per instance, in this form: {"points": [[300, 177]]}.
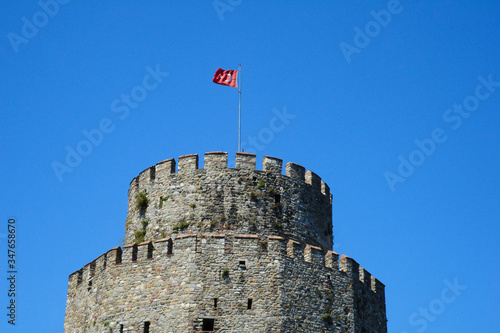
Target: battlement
{"points": [[218, 160], [243, 199], [243, 245]]}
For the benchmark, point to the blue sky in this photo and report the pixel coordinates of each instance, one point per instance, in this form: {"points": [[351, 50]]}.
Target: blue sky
{"points": [[394, 104]]}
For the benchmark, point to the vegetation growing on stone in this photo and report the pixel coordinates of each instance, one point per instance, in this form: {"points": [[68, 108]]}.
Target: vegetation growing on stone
{"points": [[225, 273], [164, 199], [183, 224], [139, 236], [327, 318], [142, 202], [261, 184], [277, 224]]}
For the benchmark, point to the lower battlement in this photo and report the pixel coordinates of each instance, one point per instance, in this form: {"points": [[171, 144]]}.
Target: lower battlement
{"points": [[244, 245], [216, 282]]}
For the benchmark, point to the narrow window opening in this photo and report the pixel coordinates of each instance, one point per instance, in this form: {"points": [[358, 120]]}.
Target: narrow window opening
{"points": [[208, 325], [146, 326], [277, 198], [150, 251], [119, 256], [134, 253], [121, 328], [243, 264], [215, 303], [249, 304], [90, 285], [169, 246]]}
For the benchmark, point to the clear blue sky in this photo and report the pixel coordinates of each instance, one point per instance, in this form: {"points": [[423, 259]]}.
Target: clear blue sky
{"points": [[362, 86]]}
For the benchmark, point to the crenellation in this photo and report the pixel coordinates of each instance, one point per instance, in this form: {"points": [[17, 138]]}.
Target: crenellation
{"points": [[226, 248], [215, 160], [325, 189], [295, 171], [350, 267], [293, 249], [313, 179], [129, 253], [101, 263], [245, 161], [272, 165], [365, 277], [164, 169], [275, 245], [188, 163], [148, 175], [332, 260], [379, 288], [314, 255], [114, 256], [163, 247], [145, 250]]}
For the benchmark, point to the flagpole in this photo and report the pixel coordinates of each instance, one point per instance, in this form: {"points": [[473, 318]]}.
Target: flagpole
{"points": [[239, 118]]}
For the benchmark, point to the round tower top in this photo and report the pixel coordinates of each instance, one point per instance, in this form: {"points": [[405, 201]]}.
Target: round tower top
{"points": [[164, 201]]}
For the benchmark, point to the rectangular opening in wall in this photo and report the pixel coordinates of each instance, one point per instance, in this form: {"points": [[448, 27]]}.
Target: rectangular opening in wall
{"points": [[118, 256], [146, 326], [242, 264], [121, 328], [277, 198], [208, 325], [134, 252], [150, 251], [215, 303], [249, 304], [169, 246]]}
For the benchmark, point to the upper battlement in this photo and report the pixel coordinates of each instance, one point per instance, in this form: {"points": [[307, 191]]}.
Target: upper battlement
{"points": [[218, 161], [185, 198]]}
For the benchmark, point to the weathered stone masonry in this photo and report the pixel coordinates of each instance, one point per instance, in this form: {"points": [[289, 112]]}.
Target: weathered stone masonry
{"points": [[226, 250]]}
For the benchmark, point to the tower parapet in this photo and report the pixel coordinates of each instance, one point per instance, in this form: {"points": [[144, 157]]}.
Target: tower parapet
{"points": [[230, 200]]}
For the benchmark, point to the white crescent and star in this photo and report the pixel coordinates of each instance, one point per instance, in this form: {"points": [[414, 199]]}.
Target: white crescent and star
{"points": [[221, 76]]}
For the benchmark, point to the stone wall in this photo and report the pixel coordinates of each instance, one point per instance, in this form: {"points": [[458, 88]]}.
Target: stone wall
{"points": [[240, 200], [172, 284], [227, 250]]}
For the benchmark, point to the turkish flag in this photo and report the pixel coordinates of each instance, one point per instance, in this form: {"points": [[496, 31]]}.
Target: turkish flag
{"points": [[226, 78]]}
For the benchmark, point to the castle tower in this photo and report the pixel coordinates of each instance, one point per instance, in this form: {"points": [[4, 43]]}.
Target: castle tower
{"points": [[219, 249]]}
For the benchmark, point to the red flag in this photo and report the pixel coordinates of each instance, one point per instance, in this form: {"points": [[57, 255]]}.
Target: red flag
{"points": [[226, 78]]}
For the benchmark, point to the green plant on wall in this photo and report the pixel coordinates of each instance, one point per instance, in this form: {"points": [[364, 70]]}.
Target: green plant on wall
{"points": [[142, 202], [164, 199], [261, 184], [183, 224], [327, 318], [139, 236], [225, 273]]}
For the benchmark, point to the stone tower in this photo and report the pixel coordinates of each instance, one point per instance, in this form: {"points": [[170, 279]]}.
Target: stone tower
{"points": [[219, 249]]}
